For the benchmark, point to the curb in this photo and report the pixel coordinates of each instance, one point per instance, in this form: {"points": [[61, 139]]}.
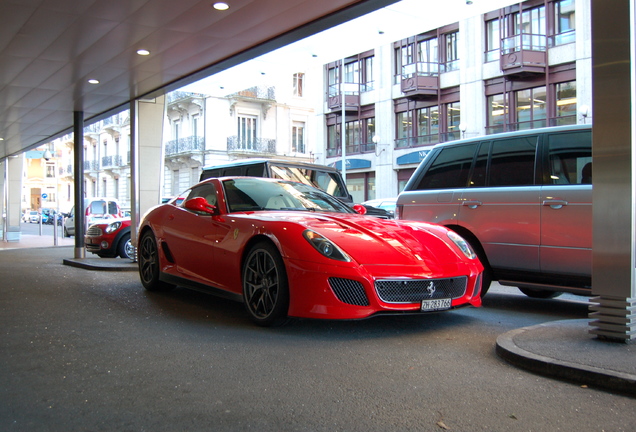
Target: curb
{"points": [[576, 373]]}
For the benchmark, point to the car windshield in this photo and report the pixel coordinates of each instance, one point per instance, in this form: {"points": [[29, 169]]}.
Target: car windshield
{"points": [[248, 194]]}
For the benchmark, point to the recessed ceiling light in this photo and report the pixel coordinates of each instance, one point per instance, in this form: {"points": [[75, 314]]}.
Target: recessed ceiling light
{"points": [[143, 52], [1, 139], [221, 6], [93, 81]]}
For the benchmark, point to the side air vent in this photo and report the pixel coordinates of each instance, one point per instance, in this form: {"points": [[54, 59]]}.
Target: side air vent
{"points": [[349, 291]]}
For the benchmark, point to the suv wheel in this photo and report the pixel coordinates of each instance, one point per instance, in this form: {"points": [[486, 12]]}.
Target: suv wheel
{"points": [[538, 293]]}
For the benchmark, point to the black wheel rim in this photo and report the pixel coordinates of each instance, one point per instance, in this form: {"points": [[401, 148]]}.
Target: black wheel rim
{"points": [[148, 260], [261, 284]]}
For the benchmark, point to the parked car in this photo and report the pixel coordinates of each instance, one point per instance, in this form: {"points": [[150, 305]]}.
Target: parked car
{"points": [[288, 249], [95, 210], [110, 238], [386, 204], [322, 177], [523, 200], [34, 217]]}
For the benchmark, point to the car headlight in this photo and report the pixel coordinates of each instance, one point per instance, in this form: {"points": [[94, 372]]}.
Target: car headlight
{"points": [[112, 227], [325, 246], [462, 245]]}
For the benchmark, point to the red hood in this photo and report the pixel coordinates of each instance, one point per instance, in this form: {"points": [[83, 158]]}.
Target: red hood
{"points": [[370, 240]]}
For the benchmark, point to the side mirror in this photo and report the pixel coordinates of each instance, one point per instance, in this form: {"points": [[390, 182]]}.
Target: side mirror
{"points": [[199, 204], [360, 209]]}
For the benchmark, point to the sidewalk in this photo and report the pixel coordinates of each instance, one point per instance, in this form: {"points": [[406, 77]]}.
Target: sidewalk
{"points": [[89, 262], [559, 349]]}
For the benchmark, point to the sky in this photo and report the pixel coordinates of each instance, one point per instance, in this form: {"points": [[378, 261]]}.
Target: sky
{"points": [[392, 23]]}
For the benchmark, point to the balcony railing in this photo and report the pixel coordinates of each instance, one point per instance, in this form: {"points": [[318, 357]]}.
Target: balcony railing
{"points": [[351, 96], [351, 149], [258, 145], [111, 161], [91, 166], [420, 79], [185, 145], [523, 54], [257, 92], [418, 141]]}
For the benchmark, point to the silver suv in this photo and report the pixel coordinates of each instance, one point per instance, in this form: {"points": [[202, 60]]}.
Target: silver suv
{"points": [[522, 199]]}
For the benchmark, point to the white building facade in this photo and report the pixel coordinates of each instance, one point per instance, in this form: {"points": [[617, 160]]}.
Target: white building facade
{"points": [[521, 67]]}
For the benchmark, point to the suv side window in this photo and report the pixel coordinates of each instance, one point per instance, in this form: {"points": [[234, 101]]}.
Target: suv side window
{"points": [[450, 168], [570, 158], [512, 162]]}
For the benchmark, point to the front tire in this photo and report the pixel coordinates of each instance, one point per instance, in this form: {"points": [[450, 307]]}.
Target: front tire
{"points": [[149, 264], [125, 248], [265, 286]]}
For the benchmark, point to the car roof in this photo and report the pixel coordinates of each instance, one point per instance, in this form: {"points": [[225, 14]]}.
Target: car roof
{"points": [[244, 162]]}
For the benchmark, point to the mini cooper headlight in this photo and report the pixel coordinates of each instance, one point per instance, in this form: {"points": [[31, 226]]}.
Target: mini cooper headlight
{"points": [[325, 246], [462, 245], [112, 227]]}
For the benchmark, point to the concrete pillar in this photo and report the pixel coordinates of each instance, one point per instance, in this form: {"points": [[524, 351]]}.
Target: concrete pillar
{"points": [[146, 151], [11, 195], [614, 246], [78, 188]]}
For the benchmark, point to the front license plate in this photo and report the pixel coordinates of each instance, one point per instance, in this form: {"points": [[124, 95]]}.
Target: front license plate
{"points": [[435, 305]]}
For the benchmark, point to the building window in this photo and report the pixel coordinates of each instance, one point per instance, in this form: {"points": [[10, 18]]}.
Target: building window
{"points": [[493, 40], [299, 79], [564, 23], [247, 132], [497, 113], [50, 171], [565, 103], [333, 140], [525, 31], [451, 57], [361, 186], [417, 127], [453, 119], [195, 125], [116, 186], [104, 187], [531, 108], [298, 137], [175, 183], [367, 74], [176, 129]]}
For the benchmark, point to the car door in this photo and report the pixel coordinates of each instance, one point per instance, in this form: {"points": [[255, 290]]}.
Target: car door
{"points": [[435, 196], [501, 206], [566, 210], [190, 235]]}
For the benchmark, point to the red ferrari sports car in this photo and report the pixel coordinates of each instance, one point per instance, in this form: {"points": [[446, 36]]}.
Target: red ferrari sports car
{"points": [[286, 249]]}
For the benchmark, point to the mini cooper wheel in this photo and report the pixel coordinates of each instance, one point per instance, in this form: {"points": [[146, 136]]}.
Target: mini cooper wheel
{"points": [[125, 248], [265, 287], [149, 264]]}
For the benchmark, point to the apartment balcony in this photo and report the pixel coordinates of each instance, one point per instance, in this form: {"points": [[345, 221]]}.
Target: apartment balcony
{"points": [[420, 80], [523, 55], [251, 147], [109, 162], [351, 97], [191, 144]]}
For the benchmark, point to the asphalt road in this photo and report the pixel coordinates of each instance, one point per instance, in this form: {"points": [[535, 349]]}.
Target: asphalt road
{"points": [[92, 351]]}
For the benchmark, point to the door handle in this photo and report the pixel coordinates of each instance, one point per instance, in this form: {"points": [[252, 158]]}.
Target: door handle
{"points": [[471, 203], [555, 203]]}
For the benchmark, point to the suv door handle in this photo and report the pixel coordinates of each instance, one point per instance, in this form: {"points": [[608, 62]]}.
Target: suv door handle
{"points": [[555, 203], [471, 203]]}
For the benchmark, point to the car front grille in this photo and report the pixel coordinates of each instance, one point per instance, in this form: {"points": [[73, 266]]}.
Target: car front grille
{"points": [[416, 290], [94, 231], [349, 291]]}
